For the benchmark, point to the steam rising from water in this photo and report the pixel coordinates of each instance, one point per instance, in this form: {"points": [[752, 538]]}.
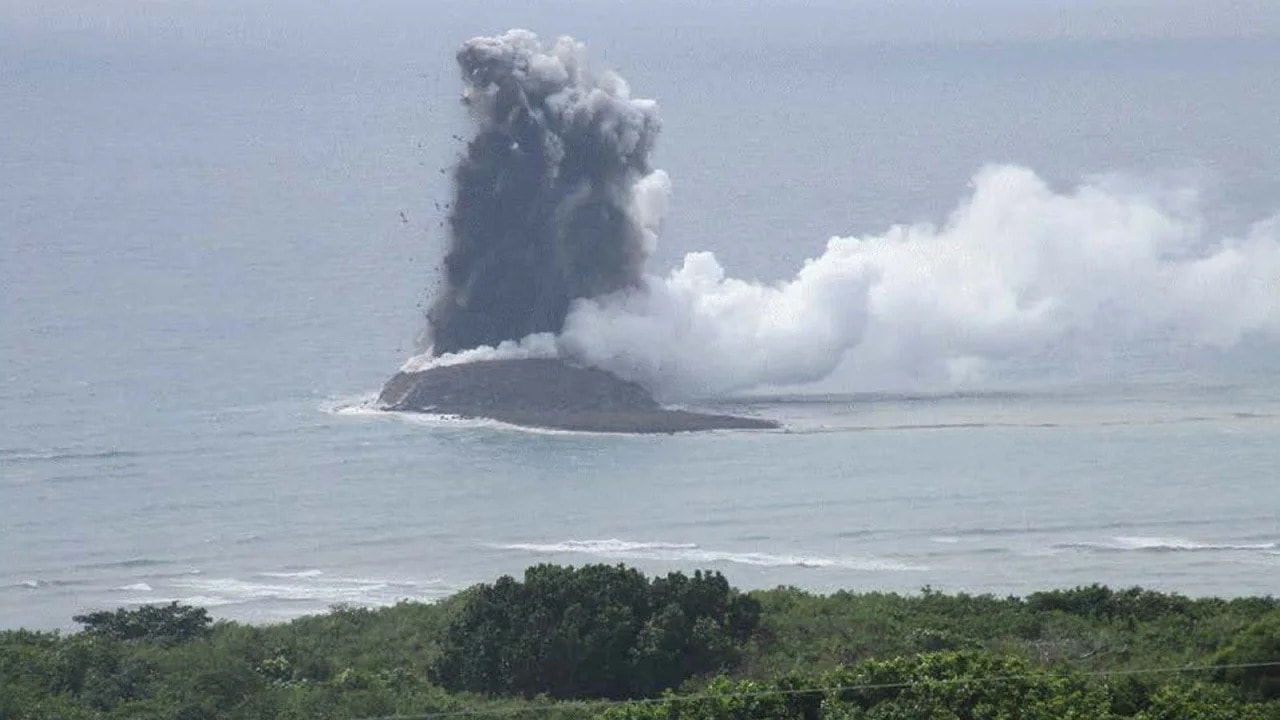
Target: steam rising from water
{"points": [[1017, 272], [557, 210]]}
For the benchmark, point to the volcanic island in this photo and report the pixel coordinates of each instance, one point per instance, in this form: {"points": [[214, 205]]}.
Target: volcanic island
{"points": [[550, 394]]}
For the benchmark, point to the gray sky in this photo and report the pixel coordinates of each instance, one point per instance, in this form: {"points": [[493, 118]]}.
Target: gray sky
{"points": [[395, 27]]}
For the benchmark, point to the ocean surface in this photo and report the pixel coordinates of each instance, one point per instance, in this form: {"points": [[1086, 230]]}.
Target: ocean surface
{"points": [[209, 260]]}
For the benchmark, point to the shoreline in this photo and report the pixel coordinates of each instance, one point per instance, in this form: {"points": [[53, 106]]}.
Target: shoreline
{"points": [[840, 594]]}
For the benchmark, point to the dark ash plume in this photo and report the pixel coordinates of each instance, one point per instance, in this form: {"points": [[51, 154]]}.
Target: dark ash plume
{"points": [[543, 209]]}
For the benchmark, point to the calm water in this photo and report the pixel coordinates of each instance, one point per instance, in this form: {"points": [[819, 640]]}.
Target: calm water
{"points": [[207, 260]]}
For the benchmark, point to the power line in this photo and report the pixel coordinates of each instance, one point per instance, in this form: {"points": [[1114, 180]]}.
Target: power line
{"points": [[779, 692]]}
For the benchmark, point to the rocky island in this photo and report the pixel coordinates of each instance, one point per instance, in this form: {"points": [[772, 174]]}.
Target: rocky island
{"points": [[550, 394]]}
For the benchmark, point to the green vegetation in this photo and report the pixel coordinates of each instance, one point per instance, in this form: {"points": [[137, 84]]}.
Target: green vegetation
{"points": [[172, 623], [594, 632], [575, 643]]}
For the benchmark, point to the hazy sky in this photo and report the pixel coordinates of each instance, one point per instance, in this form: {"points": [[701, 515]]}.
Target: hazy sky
{"points": [[394, 26]]}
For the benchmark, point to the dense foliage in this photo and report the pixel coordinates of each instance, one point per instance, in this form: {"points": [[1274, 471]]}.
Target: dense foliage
{"points": [[594, 632], [949, 686], [156, 623], [604, 631]]}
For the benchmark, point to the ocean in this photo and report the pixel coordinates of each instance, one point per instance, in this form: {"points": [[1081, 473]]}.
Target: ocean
{"points": [[214, 253]]}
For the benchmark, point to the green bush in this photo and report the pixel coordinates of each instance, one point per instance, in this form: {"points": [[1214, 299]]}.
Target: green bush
{"points": [[594, 632], [171, 623], [1258, 645], [1099, 601], [941, 686]]}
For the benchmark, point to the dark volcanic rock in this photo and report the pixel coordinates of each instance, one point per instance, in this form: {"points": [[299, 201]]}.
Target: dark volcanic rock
{"points": [[546, 394]]}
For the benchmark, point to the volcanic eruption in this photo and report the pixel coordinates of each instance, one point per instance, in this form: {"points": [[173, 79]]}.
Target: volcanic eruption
{"points": [[554, 201]]}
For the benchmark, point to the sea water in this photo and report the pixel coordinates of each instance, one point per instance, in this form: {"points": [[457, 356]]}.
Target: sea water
{"points": [[213, 257]]}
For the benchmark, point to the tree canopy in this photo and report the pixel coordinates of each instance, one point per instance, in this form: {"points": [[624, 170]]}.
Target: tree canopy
{"points": [[688, 647], [151, 623], [598, 632]]}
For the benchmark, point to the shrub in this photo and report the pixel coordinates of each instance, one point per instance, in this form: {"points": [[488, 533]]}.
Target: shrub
{"points": [[594, 632], [172, 623], [1257, 645], [1101, 602]]}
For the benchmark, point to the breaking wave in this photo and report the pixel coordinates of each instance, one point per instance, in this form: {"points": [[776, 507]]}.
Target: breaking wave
{"points": [[312, 588], [1158, 544], [40, 584], [135, 587], [56, 455], [692, 553], [436, 420]]}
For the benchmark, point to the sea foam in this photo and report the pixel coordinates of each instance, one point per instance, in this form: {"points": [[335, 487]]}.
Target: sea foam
{"points": [[614, 548], [1163, 544]]}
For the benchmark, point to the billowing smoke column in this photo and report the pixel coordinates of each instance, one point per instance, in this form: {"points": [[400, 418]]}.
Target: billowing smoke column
{"points": [[545, 207]]}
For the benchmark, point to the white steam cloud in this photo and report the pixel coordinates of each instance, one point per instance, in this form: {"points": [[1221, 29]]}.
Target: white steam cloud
{"points": [[1018, 271]]}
